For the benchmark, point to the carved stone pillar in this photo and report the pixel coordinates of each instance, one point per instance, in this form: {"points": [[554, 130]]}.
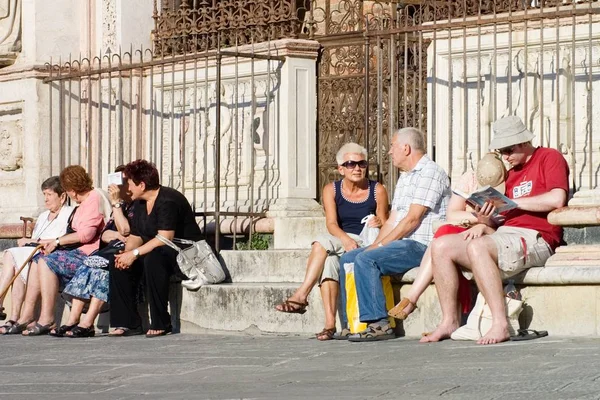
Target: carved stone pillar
{"points": [[298, 217]]}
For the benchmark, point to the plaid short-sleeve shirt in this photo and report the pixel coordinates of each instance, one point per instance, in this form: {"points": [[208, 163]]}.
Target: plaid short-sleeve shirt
{"points": [[427, 184]]}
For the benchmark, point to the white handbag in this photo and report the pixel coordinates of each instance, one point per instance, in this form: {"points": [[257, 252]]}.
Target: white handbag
{"points": [[479, 321], [197, 262]]}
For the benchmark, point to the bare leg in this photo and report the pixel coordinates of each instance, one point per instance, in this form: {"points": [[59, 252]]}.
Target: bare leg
{"points": [[329, 293], [447, 252], [484, 263], [8, 271], [49, 289], [76, 311], [17, 297], [32, 294], [314, 268], [88, 319], [422, 281]]}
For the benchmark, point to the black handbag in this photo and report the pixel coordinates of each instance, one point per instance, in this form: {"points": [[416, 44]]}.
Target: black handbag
{"points": [[71, 246], [113, 247]]}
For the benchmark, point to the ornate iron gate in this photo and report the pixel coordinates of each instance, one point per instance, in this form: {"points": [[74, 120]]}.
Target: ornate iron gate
{"points": [[450, 68]]}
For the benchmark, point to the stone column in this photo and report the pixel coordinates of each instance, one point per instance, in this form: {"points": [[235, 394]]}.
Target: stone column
{"points": [[298, 217]]}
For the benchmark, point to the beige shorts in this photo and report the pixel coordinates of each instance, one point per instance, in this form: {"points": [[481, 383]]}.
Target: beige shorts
{"points": [[335, 249], [520, 249]]}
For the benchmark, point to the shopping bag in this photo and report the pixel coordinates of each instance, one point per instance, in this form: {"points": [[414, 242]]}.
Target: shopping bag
{"points": [[368, 233], [352, 311]]}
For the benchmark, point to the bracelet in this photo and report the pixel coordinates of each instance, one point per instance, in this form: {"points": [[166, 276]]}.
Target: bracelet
{"points": [[379, 244]]}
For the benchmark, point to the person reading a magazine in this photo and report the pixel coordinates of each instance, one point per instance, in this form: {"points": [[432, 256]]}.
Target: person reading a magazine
{"points": [[538, 182]]}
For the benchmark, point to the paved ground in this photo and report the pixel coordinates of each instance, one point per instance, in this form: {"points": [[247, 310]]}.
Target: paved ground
{"points": [[220, 366]]}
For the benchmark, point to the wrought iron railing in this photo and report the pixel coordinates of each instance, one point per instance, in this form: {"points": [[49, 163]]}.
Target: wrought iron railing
{"points": [[188, 26]]}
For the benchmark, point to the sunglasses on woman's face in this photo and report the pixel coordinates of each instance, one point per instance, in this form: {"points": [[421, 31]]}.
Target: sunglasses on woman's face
{"points": [[352, 164]]}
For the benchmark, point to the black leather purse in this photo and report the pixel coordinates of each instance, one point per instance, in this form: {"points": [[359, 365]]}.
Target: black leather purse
{"points": [[71, 246]]}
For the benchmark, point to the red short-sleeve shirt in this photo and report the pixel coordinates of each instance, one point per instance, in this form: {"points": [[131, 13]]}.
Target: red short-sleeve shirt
{"points": [[545, 170]]}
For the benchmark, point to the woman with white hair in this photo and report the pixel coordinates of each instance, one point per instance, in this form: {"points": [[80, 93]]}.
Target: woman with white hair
{"points": [[346, 203]]}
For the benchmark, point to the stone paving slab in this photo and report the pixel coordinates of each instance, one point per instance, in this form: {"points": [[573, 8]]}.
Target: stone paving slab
{"points": [[236, 366]]}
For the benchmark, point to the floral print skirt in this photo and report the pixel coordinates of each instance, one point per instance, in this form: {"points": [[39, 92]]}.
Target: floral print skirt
{"points": [[64, 263], [90, 280]]}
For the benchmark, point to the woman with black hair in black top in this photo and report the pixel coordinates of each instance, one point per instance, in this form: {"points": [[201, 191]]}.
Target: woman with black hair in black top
{"points": [[159, 210]]}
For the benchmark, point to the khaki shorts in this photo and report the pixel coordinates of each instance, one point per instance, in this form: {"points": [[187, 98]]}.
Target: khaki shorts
{"points": [[335, 249], [519, 249]]}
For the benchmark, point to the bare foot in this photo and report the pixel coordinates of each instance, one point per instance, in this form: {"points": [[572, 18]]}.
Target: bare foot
{"points": [[495, 335], [441, 332]]}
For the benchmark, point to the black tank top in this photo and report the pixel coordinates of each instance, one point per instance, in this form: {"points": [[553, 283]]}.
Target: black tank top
{"points": [[349, 213]]}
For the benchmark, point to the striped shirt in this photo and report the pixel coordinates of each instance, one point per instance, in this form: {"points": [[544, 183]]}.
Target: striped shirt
{"points": [[427, 184]]}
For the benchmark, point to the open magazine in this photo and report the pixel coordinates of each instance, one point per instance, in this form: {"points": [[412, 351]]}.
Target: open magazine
{"points": [[487, 193]]}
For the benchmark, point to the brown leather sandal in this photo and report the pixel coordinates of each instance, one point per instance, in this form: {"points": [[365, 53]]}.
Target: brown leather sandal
{"points": [[398, 310], [292, 307], [325, 334]]}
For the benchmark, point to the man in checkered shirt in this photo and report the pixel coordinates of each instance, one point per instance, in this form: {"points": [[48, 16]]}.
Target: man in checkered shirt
{"points": [[421, 196]]}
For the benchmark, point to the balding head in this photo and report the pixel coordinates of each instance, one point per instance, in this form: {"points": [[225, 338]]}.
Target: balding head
{"points": [[413, 137]]}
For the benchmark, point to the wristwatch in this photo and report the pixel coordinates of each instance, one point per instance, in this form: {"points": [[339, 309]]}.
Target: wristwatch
{"points": [[57, 241], [136, 253], [379, 244], [118, 205]]}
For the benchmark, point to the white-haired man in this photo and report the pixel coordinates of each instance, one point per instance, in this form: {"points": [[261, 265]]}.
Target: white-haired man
{"points": [[421, 196], [538, 182]]}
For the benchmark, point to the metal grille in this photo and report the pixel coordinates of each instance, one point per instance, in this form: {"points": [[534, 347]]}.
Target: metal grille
{"points": [[451, 68], [209, 121], [184, 26]]}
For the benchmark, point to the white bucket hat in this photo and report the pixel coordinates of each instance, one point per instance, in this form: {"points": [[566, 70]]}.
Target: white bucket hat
{"points": [[491, 171], [509, 131]]}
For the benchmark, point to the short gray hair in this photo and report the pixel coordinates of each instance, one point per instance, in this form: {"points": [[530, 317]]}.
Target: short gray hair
{"points": [[412, 137], [53, 183], [350, 148]]}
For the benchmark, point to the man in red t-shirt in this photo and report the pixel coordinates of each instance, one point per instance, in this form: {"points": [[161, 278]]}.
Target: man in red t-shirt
{"points": [[539, 183]]}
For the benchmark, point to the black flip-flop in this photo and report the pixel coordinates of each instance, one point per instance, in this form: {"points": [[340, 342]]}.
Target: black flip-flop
{"points": [[2, 314], [162, 332], [528, 334]]}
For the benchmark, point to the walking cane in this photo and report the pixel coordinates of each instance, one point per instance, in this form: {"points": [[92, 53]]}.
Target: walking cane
{"points": [[35, 250]]}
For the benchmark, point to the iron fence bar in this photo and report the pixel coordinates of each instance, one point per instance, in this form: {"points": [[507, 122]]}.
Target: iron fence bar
{"points": [[367, 50], [236, 142], [590, 102], [50, 121], [183, 129], [120, 116], [450, 93], [218, 156], [253, 113], [69, 141], [542, 81], [131, 136], [573, 107], [466, 121], [525, 73], [100, 119], [478, 108], [195, 130], [109, 127], [173, 60], [172, 130]]}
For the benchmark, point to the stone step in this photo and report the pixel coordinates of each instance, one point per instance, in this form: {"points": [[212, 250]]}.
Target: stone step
{"points": [[266, 265], [556, 300]]}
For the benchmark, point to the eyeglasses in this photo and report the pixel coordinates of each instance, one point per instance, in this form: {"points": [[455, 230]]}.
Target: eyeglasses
{"points": [[507, 151], [352, 164]]}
